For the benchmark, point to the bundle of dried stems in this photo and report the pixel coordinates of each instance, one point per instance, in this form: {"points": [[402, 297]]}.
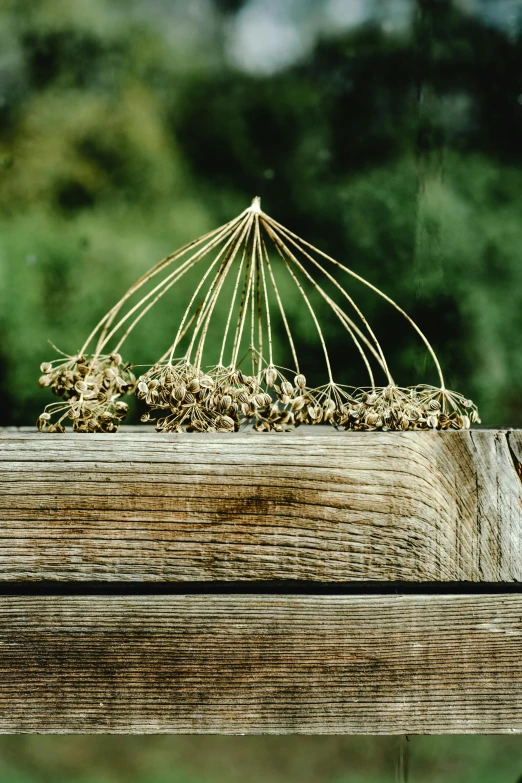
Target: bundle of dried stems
{"points": [[182, 393]]}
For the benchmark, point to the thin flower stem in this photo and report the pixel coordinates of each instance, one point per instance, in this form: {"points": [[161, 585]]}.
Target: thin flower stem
{"points": [[184, 332], [166, 262], [345, 294], [151, 304], [341, 315], [245, 304], [281, 308], [109, 317], [344, 320], [252, 306], [376, 290], [185, 266], [202, 281], [245, 291], [259, 293], [230, 310], [212, 303], [362, 337], [303, 294], [265, 292], [214, 285]]}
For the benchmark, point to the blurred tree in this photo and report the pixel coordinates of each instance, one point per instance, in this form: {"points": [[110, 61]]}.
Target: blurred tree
{"points": [[124, 133]]}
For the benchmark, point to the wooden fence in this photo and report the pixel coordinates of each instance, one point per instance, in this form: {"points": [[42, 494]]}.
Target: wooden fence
{"points": [[261, 583]]}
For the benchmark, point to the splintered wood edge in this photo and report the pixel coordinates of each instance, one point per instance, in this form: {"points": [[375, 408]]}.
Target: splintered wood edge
{"points": [[261, 664], [316, 505]]}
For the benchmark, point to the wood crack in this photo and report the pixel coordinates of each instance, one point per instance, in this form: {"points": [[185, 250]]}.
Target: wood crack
{"points": [[514, 456]]}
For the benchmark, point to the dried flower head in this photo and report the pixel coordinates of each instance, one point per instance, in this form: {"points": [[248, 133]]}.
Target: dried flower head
{"points": [[244, 262], [90, 389]]}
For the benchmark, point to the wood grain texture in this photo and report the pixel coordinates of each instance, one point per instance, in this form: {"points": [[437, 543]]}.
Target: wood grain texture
{"points": [[331, 507], [250, 664]]}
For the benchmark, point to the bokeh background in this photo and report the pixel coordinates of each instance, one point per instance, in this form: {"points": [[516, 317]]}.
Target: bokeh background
{"points": [[387, 132]]}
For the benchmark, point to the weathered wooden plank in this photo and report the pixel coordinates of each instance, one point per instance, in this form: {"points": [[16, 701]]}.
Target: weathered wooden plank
{"points": [[251, 664], [337, 507]]}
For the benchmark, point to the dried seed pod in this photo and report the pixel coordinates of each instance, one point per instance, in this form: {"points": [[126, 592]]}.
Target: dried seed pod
{"points": [[179, 392], [287, 388], [300, 381], [193, 386], [81, 387], [42, 420], [226, 402], [46, 367], [464, 422], [270, 376]]}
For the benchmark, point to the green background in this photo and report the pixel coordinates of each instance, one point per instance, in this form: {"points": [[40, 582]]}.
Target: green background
{"points": [[387, 132], [299, 759]]}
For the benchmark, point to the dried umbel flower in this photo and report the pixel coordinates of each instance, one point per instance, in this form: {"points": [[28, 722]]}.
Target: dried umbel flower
{"points": [[244, 262], [90, 389], [217, 400]]}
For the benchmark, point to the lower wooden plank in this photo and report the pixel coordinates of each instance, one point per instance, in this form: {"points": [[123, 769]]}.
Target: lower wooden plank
{"points": [[259, 664]]}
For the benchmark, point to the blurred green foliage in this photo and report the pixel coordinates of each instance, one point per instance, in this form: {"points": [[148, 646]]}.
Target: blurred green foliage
{"points": [[126, 130], [286, 759]]}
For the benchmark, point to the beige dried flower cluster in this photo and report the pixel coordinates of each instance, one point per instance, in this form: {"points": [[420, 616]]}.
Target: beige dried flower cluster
{"points": [[244, 262], [222, 399], [90, 392]]}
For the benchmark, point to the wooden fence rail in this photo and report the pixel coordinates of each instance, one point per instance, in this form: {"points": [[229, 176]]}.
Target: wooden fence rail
{"points": [[313, 517]]}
